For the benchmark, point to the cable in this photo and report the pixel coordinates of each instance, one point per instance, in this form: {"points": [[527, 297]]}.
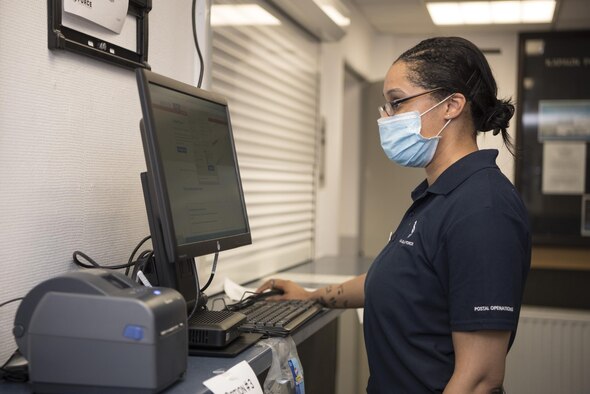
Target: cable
{"points": [[142, 262], [194, 272], [213, 268], [135, 251], [197, 44], [15, 369], [9, 301], [94, 264], [244, 302]]}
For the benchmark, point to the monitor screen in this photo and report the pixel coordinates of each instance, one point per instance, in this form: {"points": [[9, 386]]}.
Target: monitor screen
{"points": [[192, 186], [199, 166]]}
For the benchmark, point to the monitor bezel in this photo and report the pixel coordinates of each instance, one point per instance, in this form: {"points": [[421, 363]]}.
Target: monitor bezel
{"points": [[157, 176]]}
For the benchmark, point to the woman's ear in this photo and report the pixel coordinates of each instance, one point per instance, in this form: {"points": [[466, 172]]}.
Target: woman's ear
{"points": [[455, 106]]}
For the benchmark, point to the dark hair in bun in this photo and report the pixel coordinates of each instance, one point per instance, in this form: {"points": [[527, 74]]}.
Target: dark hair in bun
{"points": [[457, 65]]}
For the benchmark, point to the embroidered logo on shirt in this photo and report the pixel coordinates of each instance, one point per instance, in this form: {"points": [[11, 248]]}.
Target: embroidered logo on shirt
{"points": [[413, 229], [405, 241]]}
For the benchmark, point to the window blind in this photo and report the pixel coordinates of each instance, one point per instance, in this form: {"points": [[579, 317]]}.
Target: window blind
{"points": [[269, 75]]}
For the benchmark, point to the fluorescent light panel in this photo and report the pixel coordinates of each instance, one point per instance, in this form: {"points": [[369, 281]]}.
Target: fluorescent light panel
{"points": [[491, 12], [241, 15], [335, 15], [335, 10]]}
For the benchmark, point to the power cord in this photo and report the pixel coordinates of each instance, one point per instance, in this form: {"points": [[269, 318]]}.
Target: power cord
{"points": [[15, 369], [9, 301], [196, 281], [248, 298], [144, 240], [144, 259], [213, 269], [93, 264], [197, 44]]}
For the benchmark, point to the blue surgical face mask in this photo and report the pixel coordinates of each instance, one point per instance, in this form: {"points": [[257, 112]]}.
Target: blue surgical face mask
{"points": [[401, 139]]}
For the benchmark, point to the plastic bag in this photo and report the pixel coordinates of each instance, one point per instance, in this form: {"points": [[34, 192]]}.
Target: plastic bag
{"points": [[285, 375]]}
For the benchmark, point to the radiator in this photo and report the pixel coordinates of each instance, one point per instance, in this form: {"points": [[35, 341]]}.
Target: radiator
{"points": [[551, 353]]}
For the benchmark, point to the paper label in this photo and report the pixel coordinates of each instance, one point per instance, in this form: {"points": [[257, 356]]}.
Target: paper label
{"points": [[110, 14], [297, 376], [564, 167], [240, 379]]}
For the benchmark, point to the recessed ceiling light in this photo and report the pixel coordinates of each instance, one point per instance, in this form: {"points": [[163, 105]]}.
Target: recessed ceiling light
{"points": [[241, 15], [491, 12]]}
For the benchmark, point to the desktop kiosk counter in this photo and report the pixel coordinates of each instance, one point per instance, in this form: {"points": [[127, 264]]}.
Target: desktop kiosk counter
{"points": [[195, 205], [316, 342]]}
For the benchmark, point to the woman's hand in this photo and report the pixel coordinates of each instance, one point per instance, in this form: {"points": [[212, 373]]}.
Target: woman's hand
{"points": [[350, 294], [291, 290]]}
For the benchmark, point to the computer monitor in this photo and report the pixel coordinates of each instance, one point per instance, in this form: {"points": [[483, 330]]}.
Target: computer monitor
{"points": [[192, 187]]}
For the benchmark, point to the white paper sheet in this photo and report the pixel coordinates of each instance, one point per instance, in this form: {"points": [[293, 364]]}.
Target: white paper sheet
{"points": [[564, 167], [238, 379], [109, 14], [234, 291]]}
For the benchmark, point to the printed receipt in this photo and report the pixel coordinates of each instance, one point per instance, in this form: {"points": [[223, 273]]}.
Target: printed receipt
{"points": [[238, 379]]}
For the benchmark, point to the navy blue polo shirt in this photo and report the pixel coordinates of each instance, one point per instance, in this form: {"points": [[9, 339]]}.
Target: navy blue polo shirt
{"points": [[457, 262]]}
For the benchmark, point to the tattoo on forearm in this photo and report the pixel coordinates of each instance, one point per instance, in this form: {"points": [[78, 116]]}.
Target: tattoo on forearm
{"points": [[332, 302]]}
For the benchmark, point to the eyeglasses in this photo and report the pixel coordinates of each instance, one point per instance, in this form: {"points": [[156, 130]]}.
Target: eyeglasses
{"points": [[391, 107]]}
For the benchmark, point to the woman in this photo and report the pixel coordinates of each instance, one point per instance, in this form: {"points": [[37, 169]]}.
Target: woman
{"points": [[442, 299]]}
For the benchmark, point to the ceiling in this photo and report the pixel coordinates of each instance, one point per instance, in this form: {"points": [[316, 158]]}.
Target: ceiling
{"points": [[411, 17]]}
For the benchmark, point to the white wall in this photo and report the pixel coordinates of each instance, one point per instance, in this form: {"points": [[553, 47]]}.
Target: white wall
{"points": [[355, 50], [328, 193], [70, 150], [350, 159]]}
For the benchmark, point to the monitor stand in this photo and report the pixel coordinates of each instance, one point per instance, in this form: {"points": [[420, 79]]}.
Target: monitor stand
{"points": [[213, 332]]}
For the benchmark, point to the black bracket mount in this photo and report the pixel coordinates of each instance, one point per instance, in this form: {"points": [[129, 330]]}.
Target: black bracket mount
{"points": [[63, 37]]}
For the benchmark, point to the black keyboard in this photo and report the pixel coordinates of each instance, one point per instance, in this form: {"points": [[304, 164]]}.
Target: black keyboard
{"points": [[278, 318]]}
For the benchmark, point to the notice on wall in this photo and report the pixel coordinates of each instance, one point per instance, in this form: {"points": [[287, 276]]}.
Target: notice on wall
{"points": [[564, 167], [109, 14], [564, 120]]}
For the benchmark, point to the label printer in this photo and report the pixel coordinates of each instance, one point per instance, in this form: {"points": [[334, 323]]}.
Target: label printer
{"points": [[98, 330]]}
